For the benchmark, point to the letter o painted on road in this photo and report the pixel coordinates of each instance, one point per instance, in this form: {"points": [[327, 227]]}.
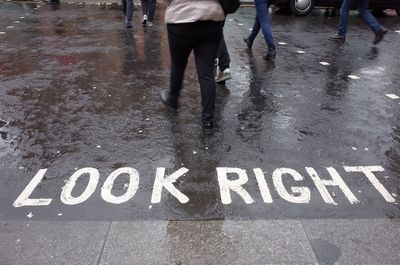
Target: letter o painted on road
{"points": [[132, 188], [66, 196]]}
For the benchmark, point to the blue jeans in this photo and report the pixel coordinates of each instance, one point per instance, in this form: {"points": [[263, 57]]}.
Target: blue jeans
{"points": [[127, 8], [262, 22], [362, 6]]}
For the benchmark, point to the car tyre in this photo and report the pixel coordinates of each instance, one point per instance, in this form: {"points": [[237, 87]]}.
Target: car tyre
{"points": [[302, 7]]}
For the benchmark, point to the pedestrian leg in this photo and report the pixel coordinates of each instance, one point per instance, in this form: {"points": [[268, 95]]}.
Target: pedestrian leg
{"points": [[344, 17], [368, 18], [144, 4], [151, 11], [263, 17]]}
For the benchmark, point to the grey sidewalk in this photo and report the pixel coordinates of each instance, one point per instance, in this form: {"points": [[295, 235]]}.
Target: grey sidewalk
{"points": [[325, 241]]}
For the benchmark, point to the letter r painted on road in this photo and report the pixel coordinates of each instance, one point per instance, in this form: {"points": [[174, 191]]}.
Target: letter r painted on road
{"points": [[24, 200], [168, 184], [373, 179], [226, 185]]}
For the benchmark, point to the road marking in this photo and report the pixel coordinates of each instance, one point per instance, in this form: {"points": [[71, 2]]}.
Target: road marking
{"points": [[398, 31], [168, 184], [368, 172], [230, 180], [282, 43], [109, 183], [226, 185], [30, 215], [366, 149], [10, 27], [60, 214], [335, 181], [66, 194], [23, 198], [302, 193], [392, 96], [354, 77], [240, 24], [301, 52], [324, 63], [230, 19], [194, 152], [21, 17], [2, 33], [354, 148]]}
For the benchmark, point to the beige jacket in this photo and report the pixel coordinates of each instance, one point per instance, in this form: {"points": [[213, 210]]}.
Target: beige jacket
{"points": [[188, 11]]}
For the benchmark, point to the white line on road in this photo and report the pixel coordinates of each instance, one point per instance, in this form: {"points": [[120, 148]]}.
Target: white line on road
{"points": [[354, 77], [324, 63], [282, 43], [392, 96], [2, 33], [301, 52]]}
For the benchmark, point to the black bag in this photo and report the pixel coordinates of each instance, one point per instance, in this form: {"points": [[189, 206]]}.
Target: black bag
{"points": [[230, 6]]}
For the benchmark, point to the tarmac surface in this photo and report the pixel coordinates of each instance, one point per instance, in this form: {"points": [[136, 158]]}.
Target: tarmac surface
{"points": [[303, 166]]}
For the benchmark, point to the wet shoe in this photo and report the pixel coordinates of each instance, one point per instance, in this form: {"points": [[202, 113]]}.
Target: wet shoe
{"points": [[223, 75], [208, 127], [249, 42], [128, 24], [379, 35], [149, 24], [271, 54], [338, 38], [144, 20], [169, 100]]}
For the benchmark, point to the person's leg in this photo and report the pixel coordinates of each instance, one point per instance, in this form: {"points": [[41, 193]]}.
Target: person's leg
{"points": [[129, 10], [180, 48], [144, 4], [263, 16], [256, 28], [152, 9], [124, 7], [223, 55], [344, 16], [205, 53], [369, 19]]}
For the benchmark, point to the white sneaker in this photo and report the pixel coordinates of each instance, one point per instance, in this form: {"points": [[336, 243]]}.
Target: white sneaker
{"points": [[223, 75], [149, 23], [144, 20]]}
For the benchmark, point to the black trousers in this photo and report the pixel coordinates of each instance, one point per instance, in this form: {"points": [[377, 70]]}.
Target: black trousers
{"points": [[203, 38]]}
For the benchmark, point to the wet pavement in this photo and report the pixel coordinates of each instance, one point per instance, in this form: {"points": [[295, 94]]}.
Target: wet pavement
{"points": [[79, 91]]}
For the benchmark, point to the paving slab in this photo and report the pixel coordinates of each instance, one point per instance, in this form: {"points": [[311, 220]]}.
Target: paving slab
{"points": [[207, 242], [360, 241], [42, 243]]}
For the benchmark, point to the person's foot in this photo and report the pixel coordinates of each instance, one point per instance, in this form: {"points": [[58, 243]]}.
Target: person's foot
{"points": [[169, 100], [223, 75], [128, 24], [208, 127], [249, 42], [271, 54], [144, 20], [149, 23], [337, 38], [379, 35]]}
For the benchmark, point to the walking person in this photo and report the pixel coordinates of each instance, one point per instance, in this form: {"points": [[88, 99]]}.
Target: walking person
{"points": [[224, 60], [127, 8], [368, 18], [262, 22], [194, 25], [148, 9]]}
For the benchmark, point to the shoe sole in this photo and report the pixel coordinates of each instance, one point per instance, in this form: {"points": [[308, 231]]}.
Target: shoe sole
{"points": [[223, 79]]}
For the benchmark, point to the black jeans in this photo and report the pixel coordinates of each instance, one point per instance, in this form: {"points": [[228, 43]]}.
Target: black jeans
{"points": [[203, 37], [223, 55], [149, 8]]}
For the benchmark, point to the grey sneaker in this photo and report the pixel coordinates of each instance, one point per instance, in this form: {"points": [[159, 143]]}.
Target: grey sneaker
{"points": [[338, 38], [223, 75]]}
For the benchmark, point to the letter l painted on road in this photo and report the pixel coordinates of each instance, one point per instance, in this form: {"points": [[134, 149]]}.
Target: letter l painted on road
{"points": [[23, 199]]}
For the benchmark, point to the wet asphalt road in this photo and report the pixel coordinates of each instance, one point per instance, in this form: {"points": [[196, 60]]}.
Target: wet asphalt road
{"points": [[78, 90]]}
